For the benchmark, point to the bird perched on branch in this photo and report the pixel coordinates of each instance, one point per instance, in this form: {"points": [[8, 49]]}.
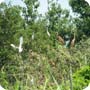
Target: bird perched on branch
{"points": [[60, 39], [48, 33], [67, 42], [33, 36], [20, 49]]}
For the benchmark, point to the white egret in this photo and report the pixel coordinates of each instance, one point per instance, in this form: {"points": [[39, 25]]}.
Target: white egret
{"points": [[1, 88], [48, 33], [32, 80], [88, 1], [87, 88], [33, 36], [20, 45]]}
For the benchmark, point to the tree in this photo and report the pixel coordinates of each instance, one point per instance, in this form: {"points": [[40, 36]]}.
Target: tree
{"points": [[10, 23], [30, 11], [53, 14], [82, 8]]}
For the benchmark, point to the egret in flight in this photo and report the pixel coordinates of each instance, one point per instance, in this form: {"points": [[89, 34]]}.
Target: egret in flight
{"points": [[20, 49]]}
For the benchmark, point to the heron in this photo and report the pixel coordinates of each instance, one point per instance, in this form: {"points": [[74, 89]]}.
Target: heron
{"points": [[73, 41], [48, 33], [60, 39], [20, 49]]}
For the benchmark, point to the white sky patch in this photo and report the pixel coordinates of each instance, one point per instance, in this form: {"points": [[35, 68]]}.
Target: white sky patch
{"points": [[15, 2], [43, 6], [64, 4], [1, 1], [88, 1]]}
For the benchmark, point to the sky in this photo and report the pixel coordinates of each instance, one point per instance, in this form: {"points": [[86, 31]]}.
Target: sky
{"points": [[43, 4], [1, 1], [88, 2]]}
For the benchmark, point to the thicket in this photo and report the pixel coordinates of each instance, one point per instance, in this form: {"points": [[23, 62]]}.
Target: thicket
{"points": [[44, 64]]}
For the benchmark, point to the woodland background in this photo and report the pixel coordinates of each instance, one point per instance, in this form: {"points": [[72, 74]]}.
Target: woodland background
{"points": [[44, 63]]}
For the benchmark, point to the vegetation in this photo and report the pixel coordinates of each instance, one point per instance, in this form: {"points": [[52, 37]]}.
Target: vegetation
{"points": [[44, 63]]}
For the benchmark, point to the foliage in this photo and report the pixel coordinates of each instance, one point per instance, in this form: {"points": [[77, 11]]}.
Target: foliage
{"points": [[44, 64], [81, 78], [81, 8]]}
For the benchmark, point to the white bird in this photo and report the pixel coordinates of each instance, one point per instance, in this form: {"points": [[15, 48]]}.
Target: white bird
{"points": [[32, 80], [20, 45], [87, 88], [33, 36], [88, 1], [1, 88], [1, 1], [48, 33]]}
